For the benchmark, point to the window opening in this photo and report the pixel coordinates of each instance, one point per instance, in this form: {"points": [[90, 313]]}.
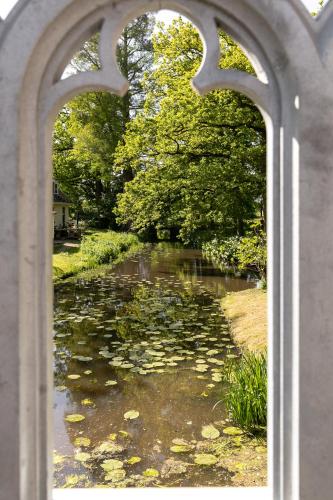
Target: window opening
{"points": [[154, 364]]}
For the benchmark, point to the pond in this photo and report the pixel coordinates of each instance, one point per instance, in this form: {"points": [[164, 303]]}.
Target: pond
{"points": [[138, 361]]}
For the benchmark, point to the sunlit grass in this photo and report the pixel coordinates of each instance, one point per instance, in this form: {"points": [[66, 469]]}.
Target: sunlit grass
{"points": [[98, 247]]}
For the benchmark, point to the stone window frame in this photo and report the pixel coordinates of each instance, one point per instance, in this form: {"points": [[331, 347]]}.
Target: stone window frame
{"points": [[292, 54]]}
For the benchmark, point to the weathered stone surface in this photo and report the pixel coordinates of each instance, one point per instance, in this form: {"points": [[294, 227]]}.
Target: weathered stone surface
{"points": [[292, 54]]}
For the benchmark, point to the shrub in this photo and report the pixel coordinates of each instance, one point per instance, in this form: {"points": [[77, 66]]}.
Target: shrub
{"points": [[240, 253], [246, 398], [103, 248]]}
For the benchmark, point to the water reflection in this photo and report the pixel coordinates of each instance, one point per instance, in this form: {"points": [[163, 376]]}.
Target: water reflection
{"points": [[149, 337]]}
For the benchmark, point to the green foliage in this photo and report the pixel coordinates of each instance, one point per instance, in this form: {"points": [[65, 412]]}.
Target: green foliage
{"points": [[199, 162], [223, 252], [90, 127], [252, 252], [241, 253], [246, 399], [103, 248], [97, 248]]}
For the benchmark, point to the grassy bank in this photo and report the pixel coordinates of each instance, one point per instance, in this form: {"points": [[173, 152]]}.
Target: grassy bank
{"points": [[247, 313], [97, 248]]}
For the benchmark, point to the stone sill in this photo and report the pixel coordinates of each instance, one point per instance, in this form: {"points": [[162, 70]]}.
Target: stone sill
{"points": [[163, 494]]}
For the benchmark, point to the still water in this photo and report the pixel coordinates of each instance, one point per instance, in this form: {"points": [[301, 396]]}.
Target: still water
{"points": [[138, 362]]}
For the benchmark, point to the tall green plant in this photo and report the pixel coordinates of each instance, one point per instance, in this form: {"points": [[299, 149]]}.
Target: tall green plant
{"points": [[246, 398]]}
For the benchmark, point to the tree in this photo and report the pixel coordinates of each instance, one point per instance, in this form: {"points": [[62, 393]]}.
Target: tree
{"points": [[91, 126], [199, 162]]}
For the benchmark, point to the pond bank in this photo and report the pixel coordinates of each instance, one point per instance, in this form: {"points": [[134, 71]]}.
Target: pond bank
{"points": [[246, 312], [96, 252]]}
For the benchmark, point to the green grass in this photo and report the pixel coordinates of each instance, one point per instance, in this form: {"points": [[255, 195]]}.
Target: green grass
{"points": [[97, 247], [246, 398]]}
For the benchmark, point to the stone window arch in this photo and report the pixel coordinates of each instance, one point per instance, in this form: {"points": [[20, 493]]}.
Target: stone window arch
{"points": [[292, 54]]}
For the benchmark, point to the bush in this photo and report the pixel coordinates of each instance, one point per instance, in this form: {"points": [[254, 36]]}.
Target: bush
{"points": [[246, 398], [240, 253], [103, 248]]}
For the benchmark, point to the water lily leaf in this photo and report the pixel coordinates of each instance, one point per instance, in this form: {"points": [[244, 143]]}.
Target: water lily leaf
{"points": [[217, 377], [134, 460], [131, 415], [124, 434], [71, 480], [210, 432], [58, 459], [205, 459], [112, 464], [82, 441], [73, 377], [151, 473], [181, 448], [212, 352], [110, 383], [74, 418], [233, 431], [87, 402], [115, 475], [82, 457], [61, 388], [83, 358]]}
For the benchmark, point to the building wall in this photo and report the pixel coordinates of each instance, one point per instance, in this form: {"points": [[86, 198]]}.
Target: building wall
{"points": [[58, 215]]}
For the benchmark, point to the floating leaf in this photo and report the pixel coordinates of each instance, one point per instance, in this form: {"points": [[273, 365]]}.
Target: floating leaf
{"points": [[112, 464], [74, 418], [151, 473], [73, 377], [131, 415], [82, 441], [115, 475], [233, 431], [61, 388], [71, 480], [88, 372], [111, 382], [134, 460], [205, 459], [83, 358], [210, 432], [82, 457], [217, 377], [58, 459], [181, 448], [87, 402]]}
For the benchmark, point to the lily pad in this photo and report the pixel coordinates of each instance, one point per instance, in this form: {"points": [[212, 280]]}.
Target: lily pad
{"points": [[131, 415], [87, 402], [112, 464], [115, 475], [82, 441], [210, 432], [110, 383], [134, 460], [61, 388], [74, 418], [205, 459], [233, 431], [82, 457], [181, 448], [151, 473]]}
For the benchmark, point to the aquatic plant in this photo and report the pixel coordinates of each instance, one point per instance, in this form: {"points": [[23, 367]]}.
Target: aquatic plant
{"points": [[246, 398]]}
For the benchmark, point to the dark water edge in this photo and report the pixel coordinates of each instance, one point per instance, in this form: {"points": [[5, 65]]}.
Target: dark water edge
{"points": [[146, 338]]}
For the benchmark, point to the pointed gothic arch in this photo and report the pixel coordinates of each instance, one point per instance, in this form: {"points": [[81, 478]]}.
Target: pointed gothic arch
{"points": [[291, 54]]}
